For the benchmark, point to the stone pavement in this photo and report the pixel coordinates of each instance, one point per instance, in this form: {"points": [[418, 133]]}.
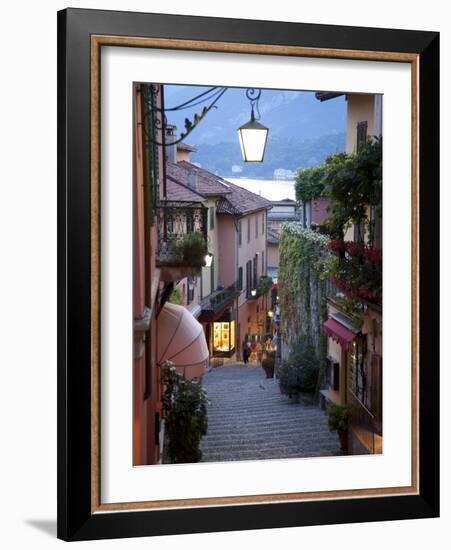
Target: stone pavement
{"points": [[250, 419]]}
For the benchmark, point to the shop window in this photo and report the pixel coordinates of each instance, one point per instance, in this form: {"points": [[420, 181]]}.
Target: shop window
{"points": [[223, 338]]}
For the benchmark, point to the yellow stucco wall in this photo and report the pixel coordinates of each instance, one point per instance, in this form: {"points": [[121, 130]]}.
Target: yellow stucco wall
{"points": [[360, 107]]}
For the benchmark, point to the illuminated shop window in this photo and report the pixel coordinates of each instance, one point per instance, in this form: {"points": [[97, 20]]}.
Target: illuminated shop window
{"points": [[223, 337]]}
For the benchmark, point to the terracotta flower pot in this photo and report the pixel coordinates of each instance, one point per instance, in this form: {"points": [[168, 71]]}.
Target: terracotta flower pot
{"points": [[269, 372]]}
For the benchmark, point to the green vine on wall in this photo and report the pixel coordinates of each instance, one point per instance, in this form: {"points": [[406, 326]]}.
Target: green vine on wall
{"points": [[302, 288]]}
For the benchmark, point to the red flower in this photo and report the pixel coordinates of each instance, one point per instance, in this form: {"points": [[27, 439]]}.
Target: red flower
{"points": [[337, 245], [355, 250], [373, 255]]}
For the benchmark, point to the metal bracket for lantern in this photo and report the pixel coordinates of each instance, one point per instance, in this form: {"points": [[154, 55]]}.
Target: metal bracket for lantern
{"points": [[253, 135]]}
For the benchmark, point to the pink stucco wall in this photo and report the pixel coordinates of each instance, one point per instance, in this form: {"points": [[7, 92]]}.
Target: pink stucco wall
{"points": [[273, 255], [256, 245], [227, 245], [146, 387]]}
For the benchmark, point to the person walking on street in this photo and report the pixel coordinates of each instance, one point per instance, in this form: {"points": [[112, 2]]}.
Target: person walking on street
{"points": [[245, 352]]}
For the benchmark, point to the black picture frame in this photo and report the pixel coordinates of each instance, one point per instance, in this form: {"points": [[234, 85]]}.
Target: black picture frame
{"points": [[75, 518]]}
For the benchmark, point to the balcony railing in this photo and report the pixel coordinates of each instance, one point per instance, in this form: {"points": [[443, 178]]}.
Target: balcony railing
{"points": [[177, 222], [333, 293], [219, 299], [337, 298], [351, 310]]}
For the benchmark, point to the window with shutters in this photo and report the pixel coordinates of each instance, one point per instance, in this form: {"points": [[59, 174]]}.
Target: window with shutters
{"points": [[240, 278], [357, 380], [248, 278], [254, 272], [263, 262], [362, 131], [256, 226]]}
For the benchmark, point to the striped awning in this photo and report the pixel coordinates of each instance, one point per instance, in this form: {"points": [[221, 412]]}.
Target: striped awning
{"points": [[181, 339], [338, 333]]}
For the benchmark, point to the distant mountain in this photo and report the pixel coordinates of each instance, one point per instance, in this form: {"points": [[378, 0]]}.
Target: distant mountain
{"points": [[302, 130], [287, 153], [286, 113]]}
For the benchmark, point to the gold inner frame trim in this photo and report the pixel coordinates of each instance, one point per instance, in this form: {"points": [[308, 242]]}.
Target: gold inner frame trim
{"points": [[97, 41]]}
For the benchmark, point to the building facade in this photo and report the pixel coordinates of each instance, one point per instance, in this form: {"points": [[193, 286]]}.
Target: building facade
{"points": [[227, 296], [162, 332], [354, 374]]}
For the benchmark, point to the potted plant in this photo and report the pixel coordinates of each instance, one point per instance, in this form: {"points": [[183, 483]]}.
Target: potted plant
{"points": [[299, 373], [182, 257], [339, 422], [192, 249], [268, 364], [185, 415]]}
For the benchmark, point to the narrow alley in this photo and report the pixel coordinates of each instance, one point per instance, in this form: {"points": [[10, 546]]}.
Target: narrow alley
{"points": [[249, 419]]}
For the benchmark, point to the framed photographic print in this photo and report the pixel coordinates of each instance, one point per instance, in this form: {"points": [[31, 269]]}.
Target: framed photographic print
{"points": [[248, 274]]}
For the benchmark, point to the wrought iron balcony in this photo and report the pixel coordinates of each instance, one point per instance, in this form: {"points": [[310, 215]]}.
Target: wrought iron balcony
{"points": [[337, 298], [182, 238], [219, 299]]}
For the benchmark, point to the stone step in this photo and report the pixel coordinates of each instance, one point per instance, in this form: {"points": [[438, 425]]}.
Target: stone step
{"points": [[249, 419]]}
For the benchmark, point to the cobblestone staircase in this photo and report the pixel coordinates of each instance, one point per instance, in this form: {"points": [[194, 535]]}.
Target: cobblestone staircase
{"points": [[249, 419]]}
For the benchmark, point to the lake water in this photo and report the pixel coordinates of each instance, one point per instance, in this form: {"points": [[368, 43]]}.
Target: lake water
{"points": [[273, 190]]}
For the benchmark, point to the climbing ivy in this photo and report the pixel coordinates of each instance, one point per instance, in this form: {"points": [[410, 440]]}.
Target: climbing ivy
{"points": [[302, 288], [309, 183], [354, 183]]}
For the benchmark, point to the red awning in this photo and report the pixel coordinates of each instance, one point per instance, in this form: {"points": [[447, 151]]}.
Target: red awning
{"points": [[338, 332]]}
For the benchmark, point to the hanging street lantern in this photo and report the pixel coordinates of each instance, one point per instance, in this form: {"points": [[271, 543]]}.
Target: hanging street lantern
{"points": [[253, 135]]}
